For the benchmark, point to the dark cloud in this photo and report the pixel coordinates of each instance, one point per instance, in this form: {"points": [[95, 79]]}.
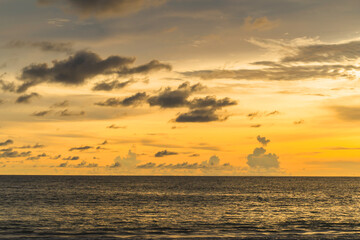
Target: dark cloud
{"points": [[62, 104], [258, 159], [14, 154], [32, 146], [26, 98], [211, 102], [72, 71], [111, 85], [263, 140], [165, 153], [7, 142], [7, 86], [200, 115], [194, 155], [152, 66], [299, 122], [72, 158], [80, 148], [256, 126], [169, 98], [348, 51], [67, 113], [253, 115], [212, 164], [347, 113], [37, 157], [113, 126], [281, 73], [44, 46], [103, 8], [41, 113], [133, 100], [83, 164]]}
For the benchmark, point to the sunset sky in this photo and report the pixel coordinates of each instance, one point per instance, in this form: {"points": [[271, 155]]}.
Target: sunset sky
{"points": [[180, 87]]}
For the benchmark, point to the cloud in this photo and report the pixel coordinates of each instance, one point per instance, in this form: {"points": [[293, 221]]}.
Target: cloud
{"points": [[44, 46], [72, 158], [211, 102], [323, 52], [74, 70], [103, 8], [253, 115], [7, 142], [113, 126], [32, 146], [67, 113], [83, 164], [80, 148], [347, 113], [259, 24], [128, 162], [256, 126], [26, 97], [14, 154], [7, 86], [165, 153], [133, 100], [62, 104], [111, 85], [299, 122], [263, 140], [280, 73], [37, 157], [213, 164], [258, 159], [169, 98], [152, 66], [200, 115], [41, 113]]}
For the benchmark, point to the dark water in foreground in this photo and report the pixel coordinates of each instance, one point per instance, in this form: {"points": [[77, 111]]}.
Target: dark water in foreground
{"points": [[72, 207]]}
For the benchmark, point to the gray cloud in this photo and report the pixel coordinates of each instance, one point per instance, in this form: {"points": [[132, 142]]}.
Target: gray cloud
{"points": [[72, 158], [258, 159], [165, 153], [32, 146], [62, 104], [128, 162], [83, 164], [113, 126], [200, 115], [72, 71], [348, 51], [7, 142], [169, 98], [14, 154], [41, 113], [133, 100], [103, 8], [281, 73], [152, 66], [263, 140], [347, 113], [211, 102], [212, 164], [67, 113], [111, 85], [80, 148], [7, 86], [37, 157], [44, 45], [26, 98]]}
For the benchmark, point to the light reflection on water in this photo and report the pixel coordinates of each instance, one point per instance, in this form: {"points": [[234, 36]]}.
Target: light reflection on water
{"points": [[71, 207]]}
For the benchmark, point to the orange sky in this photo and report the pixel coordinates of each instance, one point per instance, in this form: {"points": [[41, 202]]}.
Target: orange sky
{"points": [[180, 87]]}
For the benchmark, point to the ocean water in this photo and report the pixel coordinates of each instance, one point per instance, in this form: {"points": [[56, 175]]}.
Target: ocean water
{"points": [[111, 207]]}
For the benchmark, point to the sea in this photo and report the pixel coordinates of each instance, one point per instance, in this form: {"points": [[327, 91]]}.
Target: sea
{"points": [[179, 207]]}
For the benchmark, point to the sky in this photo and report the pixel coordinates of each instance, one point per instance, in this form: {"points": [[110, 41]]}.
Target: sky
{"points": [[180, 87]]}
